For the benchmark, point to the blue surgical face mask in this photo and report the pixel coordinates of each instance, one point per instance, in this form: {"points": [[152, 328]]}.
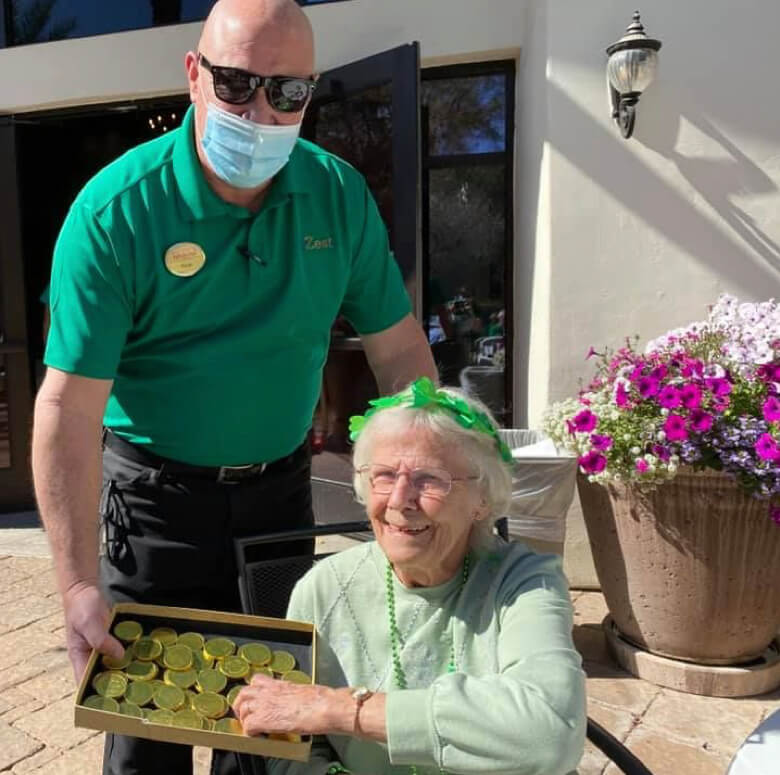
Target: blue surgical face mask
{"points": [[245, 154]]}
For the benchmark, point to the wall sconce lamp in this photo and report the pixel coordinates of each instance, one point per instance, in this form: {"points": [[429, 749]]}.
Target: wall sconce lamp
{"points": [[630, 69]]}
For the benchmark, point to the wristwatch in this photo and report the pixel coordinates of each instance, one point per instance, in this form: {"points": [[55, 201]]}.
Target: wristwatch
{"points": [[360, 695]]}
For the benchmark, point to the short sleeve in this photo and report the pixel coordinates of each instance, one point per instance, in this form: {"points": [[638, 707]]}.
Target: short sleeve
{"points": [[375, 298], [91, 310]]}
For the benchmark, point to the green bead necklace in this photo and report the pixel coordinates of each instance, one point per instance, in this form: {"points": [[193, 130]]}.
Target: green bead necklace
{"points": [[395, 636]]}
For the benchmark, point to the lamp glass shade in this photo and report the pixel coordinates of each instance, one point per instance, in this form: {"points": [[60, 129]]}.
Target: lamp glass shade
{"points": [[632, 70]]}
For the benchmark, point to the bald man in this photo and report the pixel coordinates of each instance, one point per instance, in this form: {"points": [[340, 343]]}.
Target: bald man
{"points": [[194, 286]]}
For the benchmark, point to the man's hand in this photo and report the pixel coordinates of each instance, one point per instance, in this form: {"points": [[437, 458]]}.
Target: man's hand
{"points": [[87, 617]]}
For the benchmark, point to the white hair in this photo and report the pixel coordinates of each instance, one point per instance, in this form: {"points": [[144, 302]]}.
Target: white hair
{"points": [[477, 448]]}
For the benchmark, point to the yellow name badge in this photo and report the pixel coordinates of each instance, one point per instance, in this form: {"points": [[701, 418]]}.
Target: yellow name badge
{"points": [[184, 259]]}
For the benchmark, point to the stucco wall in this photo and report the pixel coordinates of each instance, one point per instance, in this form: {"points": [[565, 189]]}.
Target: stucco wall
{"points": [[637, 236], [147, 63]]}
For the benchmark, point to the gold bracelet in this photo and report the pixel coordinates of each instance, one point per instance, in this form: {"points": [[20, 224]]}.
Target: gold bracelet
{"points": [[360, 696]]}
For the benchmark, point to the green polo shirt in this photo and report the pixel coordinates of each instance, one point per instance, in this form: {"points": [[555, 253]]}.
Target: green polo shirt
{"points": [[222, 367]]}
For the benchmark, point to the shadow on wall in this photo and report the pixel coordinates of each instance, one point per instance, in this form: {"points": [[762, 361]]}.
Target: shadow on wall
{"points": [[586, 143], [717, 179]]}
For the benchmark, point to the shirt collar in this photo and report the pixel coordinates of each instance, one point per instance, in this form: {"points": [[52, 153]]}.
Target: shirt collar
{"points": [[199, 199]]}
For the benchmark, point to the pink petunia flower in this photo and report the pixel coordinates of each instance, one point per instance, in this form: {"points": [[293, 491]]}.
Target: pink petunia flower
{"points": [[675, 428], [661, 452], [670, 397], [771, 409], [585, 421], [720, 403], [700, 421], [600, 443], [593, 462], [659, 372], [642, 466], [591, 353], [767, 448], [690, 395], [769, 372], [647, 386], [718, 386]]}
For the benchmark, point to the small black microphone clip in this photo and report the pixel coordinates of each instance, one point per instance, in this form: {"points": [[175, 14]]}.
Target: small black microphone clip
{"points": [[247, 253]]}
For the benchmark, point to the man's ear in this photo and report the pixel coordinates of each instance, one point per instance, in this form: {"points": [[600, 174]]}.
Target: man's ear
{"points": [[191, 68]]}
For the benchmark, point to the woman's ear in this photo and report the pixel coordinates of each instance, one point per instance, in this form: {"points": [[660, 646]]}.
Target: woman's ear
{"points": [[481, 511]]}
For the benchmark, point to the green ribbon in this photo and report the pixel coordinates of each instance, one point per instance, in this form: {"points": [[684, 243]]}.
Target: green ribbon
{"points": [[422, 393]]}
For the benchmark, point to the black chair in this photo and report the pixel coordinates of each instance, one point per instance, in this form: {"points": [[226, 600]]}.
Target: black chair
{"points": [[269, 567]]}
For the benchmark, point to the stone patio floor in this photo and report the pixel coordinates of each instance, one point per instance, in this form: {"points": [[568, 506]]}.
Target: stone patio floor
{"points": [[673, 733]]}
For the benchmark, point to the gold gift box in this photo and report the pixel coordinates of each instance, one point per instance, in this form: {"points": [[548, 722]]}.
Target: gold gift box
{"points": [[296, 637]]}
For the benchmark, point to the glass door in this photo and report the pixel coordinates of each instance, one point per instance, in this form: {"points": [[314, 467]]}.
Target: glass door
{"points": [[367, 112], [15, 394]]}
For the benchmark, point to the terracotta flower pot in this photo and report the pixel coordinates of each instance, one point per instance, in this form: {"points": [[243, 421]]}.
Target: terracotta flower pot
{"points": [[690, 570]]}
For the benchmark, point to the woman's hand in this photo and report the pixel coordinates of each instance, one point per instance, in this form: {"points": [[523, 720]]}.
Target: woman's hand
{"points": [[273, 706]]}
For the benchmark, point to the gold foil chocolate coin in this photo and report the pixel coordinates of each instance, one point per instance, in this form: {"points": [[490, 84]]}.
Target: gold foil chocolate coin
{"points": [[117, 664], [192, 639], [178, 657], [160, 716], [210, 705], [147, 649], [288, 737], [110, 684], [233, 693], [130, 709], [230, 726], [139, 692], [128, 631], [200, 661], [263, 670], [181, 678], [96, 702], [255, 653], [188, 718], [217, 648], [141, 671], [297, 677], [169, 697], [282, 662], [211, 681], [234, 667], [166, 635], [184, 259]]}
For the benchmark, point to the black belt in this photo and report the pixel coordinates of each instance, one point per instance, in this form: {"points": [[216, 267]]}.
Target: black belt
{"points": [[221, 474]]}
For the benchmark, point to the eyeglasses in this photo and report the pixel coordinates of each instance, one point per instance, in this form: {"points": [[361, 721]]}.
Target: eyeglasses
{"points": [[432, 482], [287, 94]]}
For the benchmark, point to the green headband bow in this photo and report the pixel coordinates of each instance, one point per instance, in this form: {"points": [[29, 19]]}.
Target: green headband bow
{"points": [[423, 393]]}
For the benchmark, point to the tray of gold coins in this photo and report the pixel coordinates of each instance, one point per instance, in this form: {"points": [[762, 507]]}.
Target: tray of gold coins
{"points": [[183, 668]]}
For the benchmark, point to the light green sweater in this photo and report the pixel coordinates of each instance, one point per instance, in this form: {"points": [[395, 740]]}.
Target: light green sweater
{"points": [[516, 703]]}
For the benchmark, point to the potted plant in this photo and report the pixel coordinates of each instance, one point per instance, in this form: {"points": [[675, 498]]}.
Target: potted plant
{"points": [[679, 454]]}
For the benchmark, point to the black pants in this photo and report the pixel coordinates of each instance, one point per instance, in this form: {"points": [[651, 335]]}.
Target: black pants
{"points": [[169, 541]]}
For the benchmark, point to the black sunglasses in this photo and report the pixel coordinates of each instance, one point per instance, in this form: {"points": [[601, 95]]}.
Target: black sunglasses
{"points": [[285, 93]]}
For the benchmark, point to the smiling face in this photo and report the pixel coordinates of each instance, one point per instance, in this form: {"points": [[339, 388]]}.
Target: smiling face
{"points": [[425, 537]]}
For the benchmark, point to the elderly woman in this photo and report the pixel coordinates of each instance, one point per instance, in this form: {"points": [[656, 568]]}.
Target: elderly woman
{"points": [[441, 648]]}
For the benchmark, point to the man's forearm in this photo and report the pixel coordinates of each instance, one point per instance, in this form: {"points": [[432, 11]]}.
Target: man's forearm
{"points": [[66, 460]]}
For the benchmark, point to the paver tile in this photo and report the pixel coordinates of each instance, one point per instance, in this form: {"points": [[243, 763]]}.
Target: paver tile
{"points": [[590, 608], [591, 642], [26, 642], [615, 687], [84, 758], [720, 724], [54, 621], [30, 566], [25, 610], [53, 725], [12, 698], [663, 756], [15, 745], [593, 761], [29, 668], [617, 722], [51, 686], [10, 573], [33, 763]]}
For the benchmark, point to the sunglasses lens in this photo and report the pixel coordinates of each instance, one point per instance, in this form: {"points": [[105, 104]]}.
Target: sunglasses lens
{"points": [[233, 86], [288, 95]]}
